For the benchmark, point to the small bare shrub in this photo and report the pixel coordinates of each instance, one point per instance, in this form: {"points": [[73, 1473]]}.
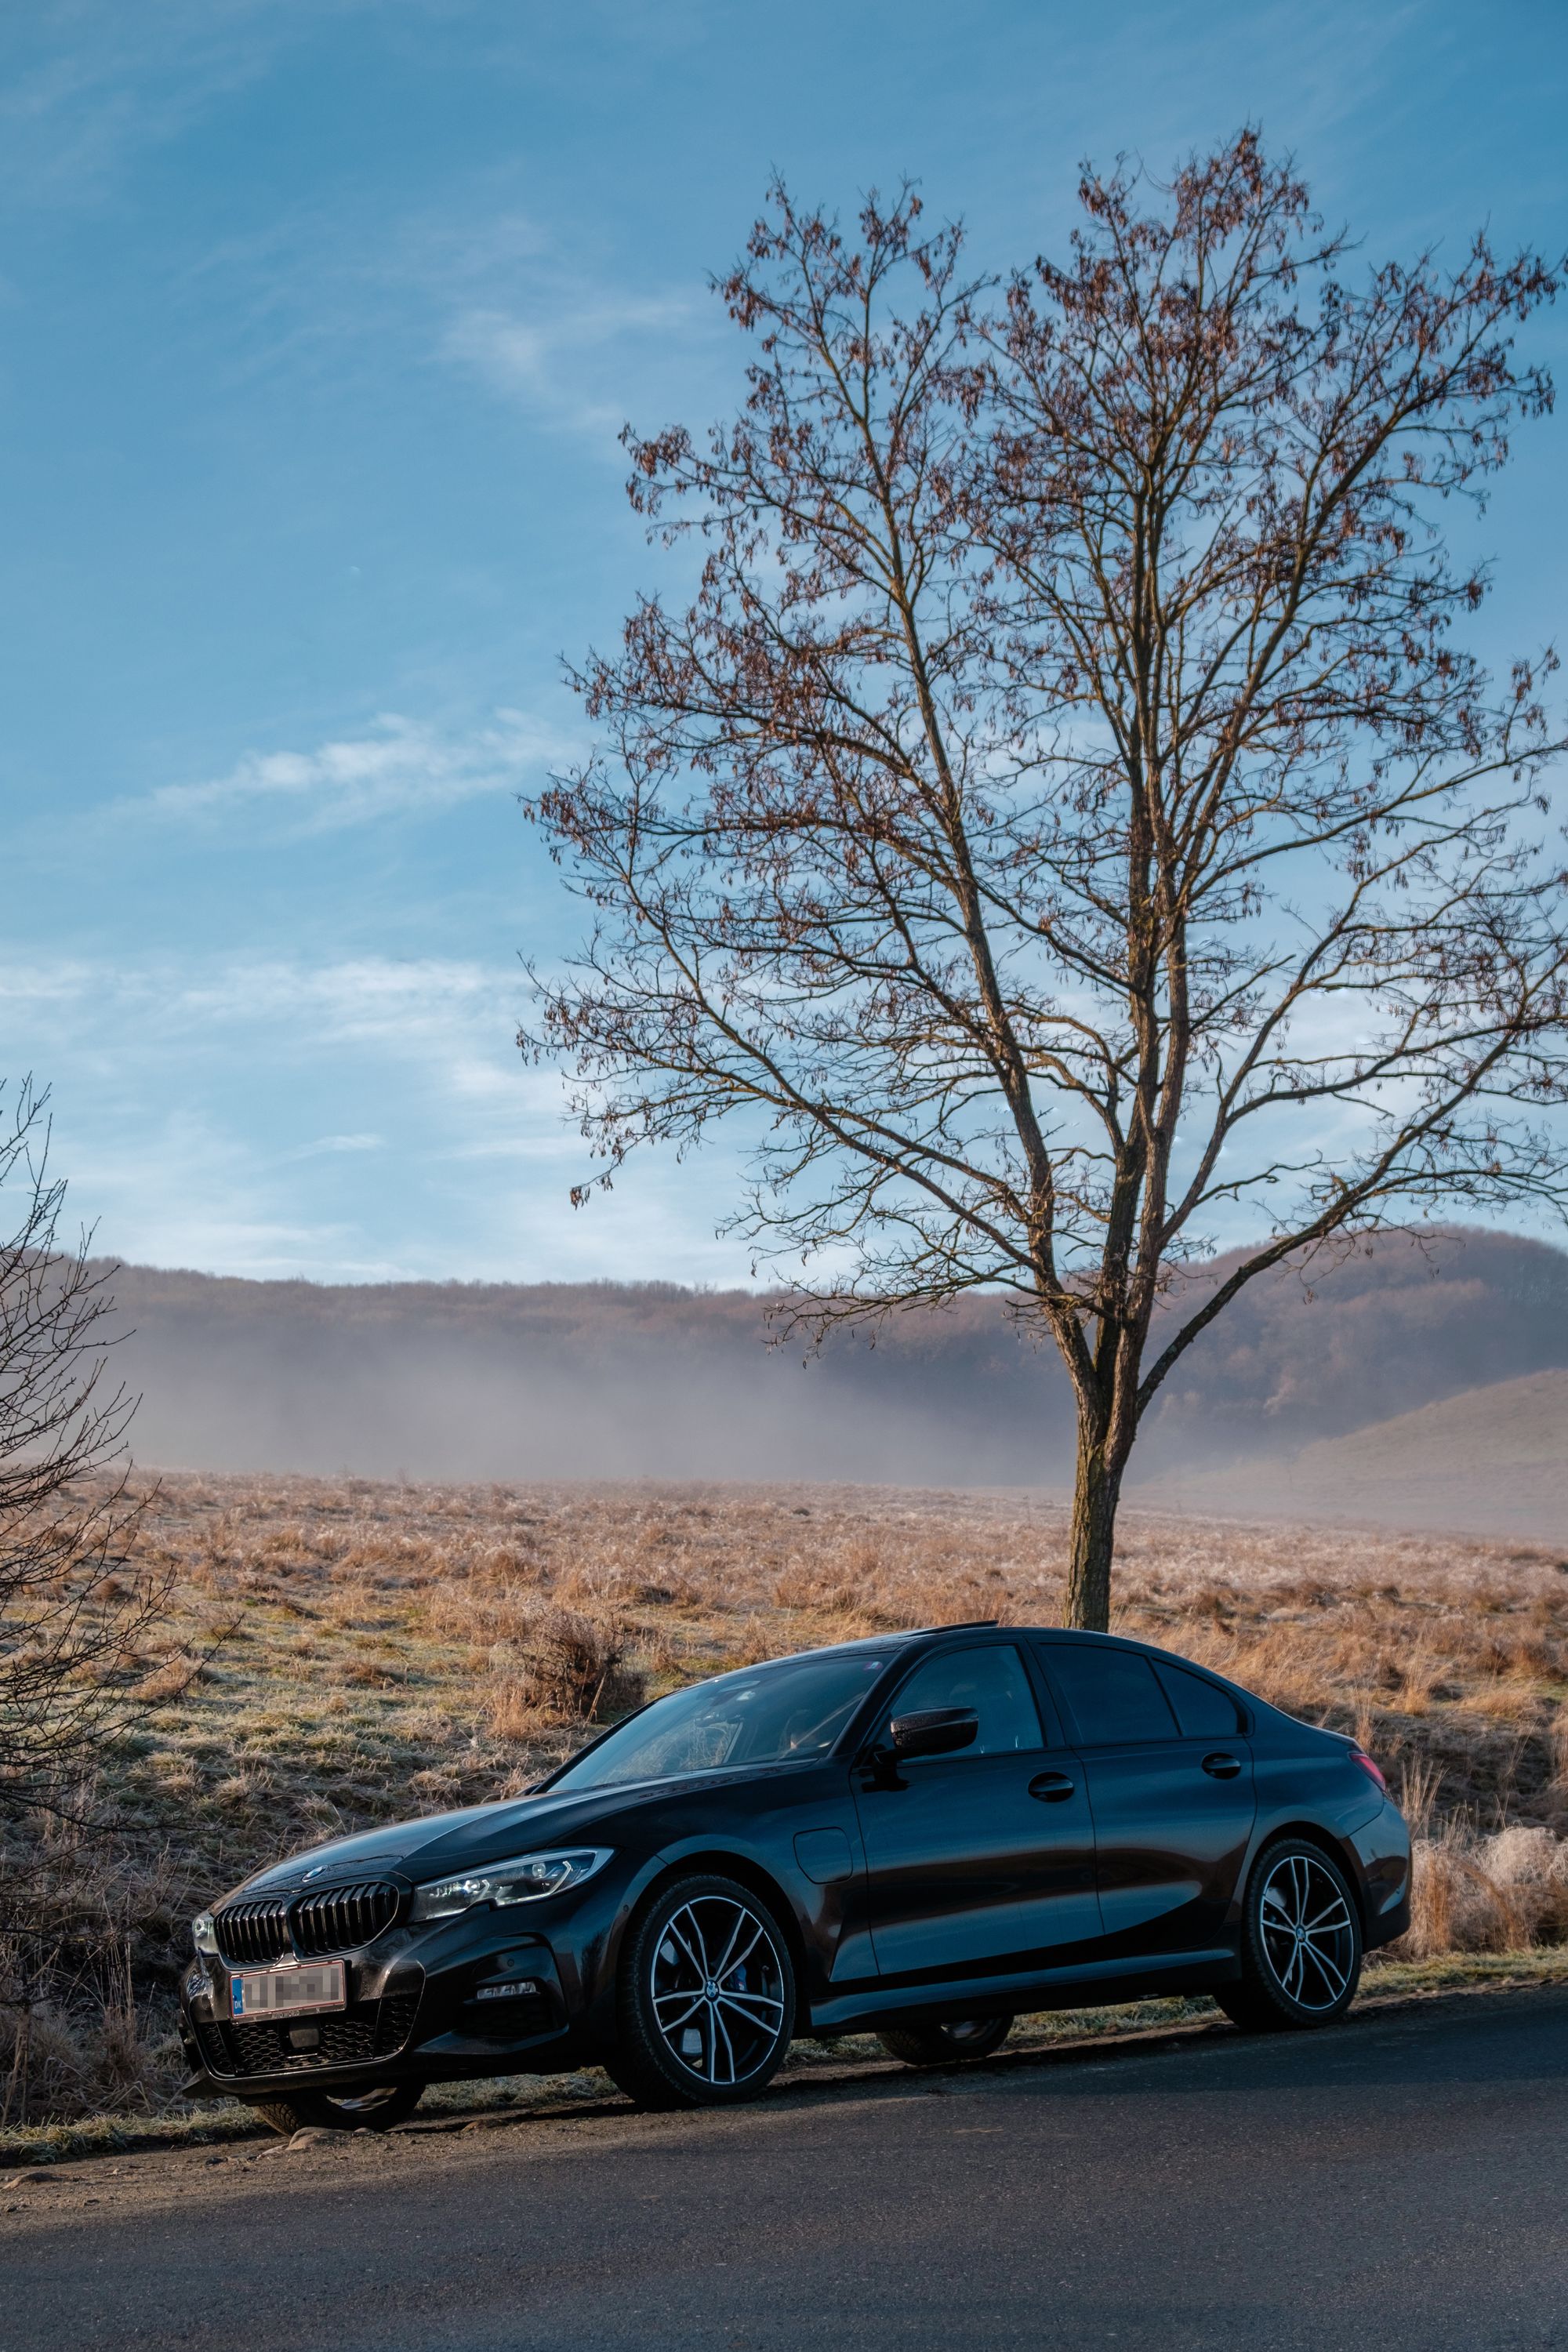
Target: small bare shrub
{"points": [[1495, 1894], [573, 1669], [1455, 1905], [1531, 1867]]}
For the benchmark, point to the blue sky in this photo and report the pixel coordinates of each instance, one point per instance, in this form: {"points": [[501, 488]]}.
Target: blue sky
{"points": [[316, 326]]}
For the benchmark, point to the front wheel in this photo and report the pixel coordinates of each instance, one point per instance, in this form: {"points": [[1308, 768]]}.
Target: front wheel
{"points": [[375, 2110], [705, 1998], [1300, 1943], [940, 2045]]}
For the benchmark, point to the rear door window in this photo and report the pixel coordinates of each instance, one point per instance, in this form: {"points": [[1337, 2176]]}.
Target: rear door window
{"points": [[1113, 1693]]}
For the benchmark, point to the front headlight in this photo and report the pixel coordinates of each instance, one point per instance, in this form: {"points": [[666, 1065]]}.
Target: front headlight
{"points": [[522, 1881], [204, 1934]]}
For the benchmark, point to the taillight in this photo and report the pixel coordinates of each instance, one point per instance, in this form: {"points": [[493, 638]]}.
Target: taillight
{"points": [[1358, 1756]]}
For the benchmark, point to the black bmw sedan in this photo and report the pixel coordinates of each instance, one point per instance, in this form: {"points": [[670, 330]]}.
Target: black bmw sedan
{"points": [[919, 1836]]}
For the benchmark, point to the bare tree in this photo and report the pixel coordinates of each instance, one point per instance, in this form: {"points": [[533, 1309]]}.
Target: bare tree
{"points": [[1061, 824], [74, 1602]]}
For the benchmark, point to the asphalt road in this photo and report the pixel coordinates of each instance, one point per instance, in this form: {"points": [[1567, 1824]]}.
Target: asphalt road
{"points": [[1401, 2181]]}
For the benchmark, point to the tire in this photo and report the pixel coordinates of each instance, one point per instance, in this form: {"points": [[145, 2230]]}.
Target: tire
{"points": [[375, 2110], [945, 2044], [1300, 1943], [704, 1998]]}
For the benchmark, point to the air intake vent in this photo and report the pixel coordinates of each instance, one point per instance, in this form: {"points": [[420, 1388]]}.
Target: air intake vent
{"points": [[252, 1933], [354, 2037], [343, 1918], [340, 2041]]}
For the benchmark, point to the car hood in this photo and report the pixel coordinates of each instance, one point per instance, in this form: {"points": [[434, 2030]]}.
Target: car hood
{"points": [[442, 1842]]}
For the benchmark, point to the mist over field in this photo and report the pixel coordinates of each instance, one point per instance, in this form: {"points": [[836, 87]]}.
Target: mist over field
{"points": [[1367, 1387]]}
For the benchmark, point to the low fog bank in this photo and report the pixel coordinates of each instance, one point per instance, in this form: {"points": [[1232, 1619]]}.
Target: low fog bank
{"points": [[515, 1382], [558, 1380]]}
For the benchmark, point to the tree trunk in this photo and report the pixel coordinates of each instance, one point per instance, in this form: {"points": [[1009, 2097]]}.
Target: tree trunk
{"points": [[1097, 1490]]}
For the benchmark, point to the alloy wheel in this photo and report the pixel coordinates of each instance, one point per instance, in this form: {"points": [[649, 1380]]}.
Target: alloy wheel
{"points": [[1306, 1931], [717, 1990]]}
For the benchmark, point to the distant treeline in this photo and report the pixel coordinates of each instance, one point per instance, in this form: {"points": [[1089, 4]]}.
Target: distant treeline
{"points": [[513, 1380]]}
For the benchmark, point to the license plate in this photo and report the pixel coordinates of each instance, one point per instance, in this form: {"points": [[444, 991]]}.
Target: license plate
{"points": [[268, 1993]]}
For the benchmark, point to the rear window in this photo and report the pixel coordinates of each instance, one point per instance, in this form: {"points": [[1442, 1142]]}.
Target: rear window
{"points": [[1203, 1709]]}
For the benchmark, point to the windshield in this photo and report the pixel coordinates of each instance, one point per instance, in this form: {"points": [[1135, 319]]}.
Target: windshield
{"points": [[765, 1715]]}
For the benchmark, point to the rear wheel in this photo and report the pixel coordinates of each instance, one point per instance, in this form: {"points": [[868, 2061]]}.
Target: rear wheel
{"points": [[375, 2110], [1300, 1943], [705, 1999], [940, 2045]]}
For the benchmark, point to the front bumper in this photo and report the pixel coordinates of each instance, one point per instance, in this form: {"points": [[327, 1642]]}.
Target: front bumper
{"points": [[470, 1996]]}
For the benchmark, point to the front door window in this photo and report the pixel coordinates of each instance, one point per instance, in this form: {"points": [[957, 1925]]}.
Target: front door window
{"points": [[993, 1683]]}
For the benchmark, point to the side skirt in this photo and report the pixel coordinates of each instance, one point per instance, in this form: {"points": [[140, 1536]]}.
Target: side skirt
{"points": [[1141, 1978]]}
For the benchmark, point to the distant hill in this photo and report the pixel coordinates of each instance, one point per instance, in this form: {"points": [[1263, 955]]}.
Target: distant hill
{"points": [[1495, 1459], [1332, 1347], [513, 1380]]}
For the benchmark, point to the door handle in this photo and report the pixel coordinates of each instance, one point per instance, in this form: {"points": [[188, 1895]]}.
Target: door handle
{"points": [[1222, 1767], [1052, 1787]]}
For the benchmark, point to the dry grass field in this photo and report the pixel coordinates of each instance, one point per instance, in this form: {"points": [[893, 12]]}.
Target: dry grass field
{"points": [[342, 1652]]}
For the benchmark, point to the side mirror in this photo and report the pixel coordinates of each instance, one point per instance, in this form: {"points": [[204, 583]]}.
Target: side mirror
{"points": [[936, 1731]]}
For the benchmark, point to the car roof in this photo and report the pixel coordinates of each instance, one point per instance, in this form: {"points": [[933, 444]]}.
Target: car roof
{"points": [[932, 1636], [1035, 1632], [905, 1636]]}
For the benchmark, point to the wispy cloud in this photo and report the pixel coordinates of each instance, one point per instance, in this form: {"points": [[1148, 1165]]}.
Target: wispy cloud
{"points": [[400, 767], [426, 1006], [92, 85], [479, 286], [404, 1135], [560, 354]]}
